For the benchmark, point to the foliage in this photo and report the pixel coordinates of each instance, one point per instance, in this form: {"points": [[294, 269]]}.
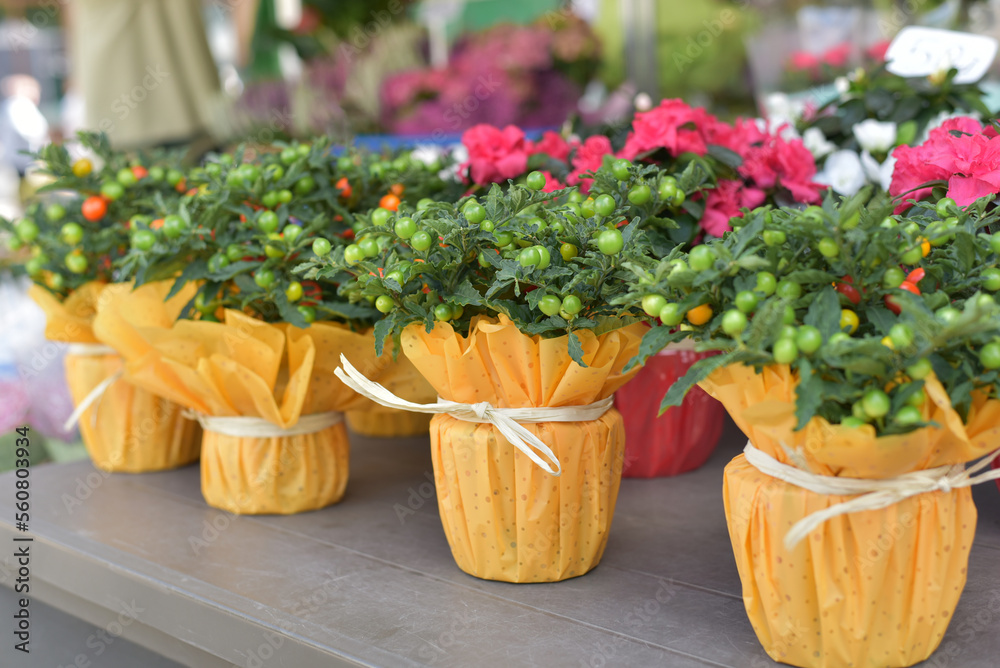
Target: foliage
{"points": [[791, 286]]}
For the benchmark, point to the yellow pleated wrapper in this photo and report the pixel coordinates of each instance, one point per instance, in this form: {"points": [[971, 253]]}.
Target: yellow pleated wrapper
{"points": [[872, 588], [127, 428], [505, 518], [243, 367], [403, 380]]}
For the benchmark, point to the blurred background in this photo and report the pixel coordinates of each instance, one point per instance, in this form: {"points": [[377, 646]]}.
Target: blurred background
{"points": [[220, 71], [209, 74]]}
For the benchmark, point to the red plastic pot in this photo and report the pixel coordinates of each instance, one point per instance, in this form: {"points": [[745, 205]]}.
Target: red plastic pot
{"points": [[680, 440], [996, 465]]}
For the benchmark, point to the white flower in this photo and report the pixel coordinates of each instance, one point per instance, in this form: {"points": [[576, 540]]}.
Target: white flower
{"points": [[842, 85], [643, 102], [875, 136], [843, 172], [780, 108], [459, 154], [817, 143], [781, 127], [427, 154], [880, 175]]}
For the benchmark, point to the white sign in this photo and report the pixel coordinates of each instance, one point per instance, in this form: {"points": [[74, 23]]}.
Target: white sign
{"points": [[917, 52]]}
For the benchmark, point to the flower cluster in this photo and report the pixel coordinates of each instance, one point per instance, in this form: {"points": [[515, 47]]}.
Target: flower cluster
{"points": [[773, 167], [962, 152], [764, 165], [834, 58], [497, 77]]}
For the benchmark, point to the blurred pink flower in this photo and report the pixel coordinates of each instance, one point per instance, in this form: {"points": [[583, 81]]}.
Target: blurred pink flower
{"points": [[551, 144], [803, 60], [588, 158], [877, 51], [495, 155], [837, 56]]}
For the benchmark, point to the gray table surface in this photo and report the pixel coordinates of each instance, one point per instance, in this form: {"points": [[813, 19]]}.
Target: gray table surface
{"points": [[358, 584]]}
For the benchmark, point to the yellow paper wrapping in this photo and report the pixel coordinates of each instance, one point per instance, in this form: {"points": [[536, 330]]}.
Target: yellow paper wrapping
{"points": [[403, 380], [873, 588], [278, 475], [126, 428], [869, 589], [245, 367], [504, 517]]}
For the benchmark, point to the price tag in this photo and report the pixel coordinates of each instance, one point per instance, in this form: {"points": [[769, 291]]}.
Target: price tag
{"points": [[917, 52]]}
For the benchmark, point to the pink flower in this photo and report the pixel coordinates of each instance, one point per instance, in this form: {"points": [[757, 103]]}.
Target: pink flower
{"points": [[588, 158], [674, 126], [969, 161], [551, 144], [837, 56], [495, 155], [877, 50], [721, 204], [910, 172], [803, 60], [771, 162], [551, 183]]}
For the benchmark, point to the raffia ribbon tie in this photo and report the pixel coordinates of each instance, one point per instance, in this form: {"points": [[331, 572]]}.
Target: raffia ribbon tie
{"points": [[91, 350], [508, 421], [254, 427], [870, 494]]}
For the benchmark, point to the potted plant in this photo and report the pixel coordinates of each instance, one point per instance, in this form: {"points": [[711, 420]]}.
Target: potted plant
{"points": [[77, 238], [253, 351], [504, 304], [859, 353]]}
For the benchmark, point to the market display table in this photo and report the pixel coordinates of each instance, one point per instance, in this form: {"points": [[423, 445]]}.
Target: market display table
{"points": [[371, 581]]}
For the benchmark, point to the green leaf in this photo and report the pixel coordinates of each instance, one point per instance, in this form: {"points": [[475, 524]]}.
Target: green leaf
{"points": [[653, 341], [698, 372], [824, 312], [727, 157], [809, 394], [882, 318], [382, 329], [805, 276], [196, 270], [575, 348]]}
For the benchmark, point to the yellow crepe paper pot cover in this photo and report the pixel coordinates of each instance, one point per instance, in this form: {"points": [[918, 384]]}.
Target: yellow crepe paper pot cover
{"points": [[871, 588], [505, 518], [126, 428], [275, 475], [245, 368]]}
